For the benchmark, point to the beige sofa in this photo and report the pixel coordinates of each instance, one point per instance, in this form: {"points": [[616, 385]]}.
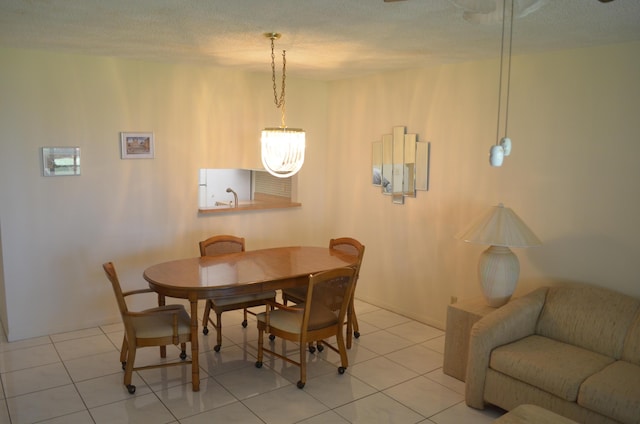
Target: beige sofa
{"points": [[572, 350]]}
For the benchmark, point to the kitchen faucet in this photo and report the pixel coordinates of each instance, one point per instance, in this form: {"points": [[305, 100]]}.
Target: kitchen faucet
{"points": [[235, 196]]}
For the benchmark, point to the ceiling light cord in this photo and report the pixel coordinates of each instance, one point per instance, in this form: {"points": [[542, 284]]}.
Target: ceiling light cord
{"points": [[502, 147], [506, 116], [508, 87]]}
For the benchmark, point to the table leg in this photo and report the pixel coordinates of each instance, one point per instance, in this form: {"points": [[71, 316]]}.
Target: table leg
{"points": [[195, 365], [162, 302]]}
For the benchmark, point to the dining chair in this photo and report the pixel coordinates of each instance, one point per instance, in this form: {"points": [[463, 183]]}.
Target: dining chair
{"points": [[350, 246], [220, 245], [318, 318], [160, 326]]}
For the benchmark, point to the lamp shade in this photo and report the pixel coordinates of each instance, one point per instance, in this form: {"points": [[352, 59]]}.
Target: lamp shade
{"points": [[500, 226]]}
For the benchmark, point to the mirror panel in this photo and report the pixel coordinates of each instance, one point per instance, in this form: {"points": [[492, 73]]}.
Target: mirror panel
{"points": [[387, 163], [398, 165], [376, 163], [409, 178], [423, 150]]}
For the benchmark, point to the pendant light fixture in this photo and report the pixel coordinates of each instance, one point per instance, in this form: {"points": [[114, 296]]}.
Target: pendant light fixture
{"points": [[282, 147], [502, 147]]}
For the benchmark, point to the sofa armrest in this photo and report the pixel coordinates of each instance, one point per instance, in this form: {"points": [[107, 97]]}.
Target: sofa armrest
{"points": [[515, 320]]}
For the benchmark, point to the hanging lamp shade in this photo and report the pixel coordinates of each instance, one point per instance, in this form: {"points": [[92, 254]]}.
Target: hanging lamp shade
{"points": [[283, 150]]}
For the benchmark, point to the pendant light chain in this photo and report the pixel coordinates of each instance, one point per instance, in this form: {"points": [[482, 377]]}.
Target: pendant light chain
{"points": [[280, 103]]}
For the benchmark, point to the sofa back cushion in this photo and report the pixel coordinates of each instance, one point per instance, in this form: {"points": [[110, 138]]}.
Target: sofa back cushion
{"points": [[631, 350], [593, 318]]}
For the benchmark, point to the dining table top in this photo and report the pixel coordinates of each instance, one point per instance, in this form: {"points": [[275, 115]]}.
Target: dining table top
{"points": [[243, 272]]}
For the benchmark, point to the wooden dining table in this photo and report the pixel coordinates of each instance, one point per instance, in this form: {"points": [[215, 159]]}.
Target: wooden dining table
{"points": [[233, 274]]}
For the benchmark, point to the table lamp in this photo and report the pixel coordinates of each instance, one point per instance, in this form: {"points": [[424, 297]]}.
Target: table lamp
{"points": [[498, 268]]}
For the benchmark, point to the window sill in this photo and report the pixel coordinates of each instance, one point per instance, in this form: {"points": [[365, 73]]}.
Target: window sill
{"points": [[250, 206]]}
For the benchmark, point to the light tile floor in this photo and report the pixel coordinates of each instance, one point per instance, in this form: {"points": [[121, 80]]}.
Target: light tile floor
{"points": [[394, 376]]}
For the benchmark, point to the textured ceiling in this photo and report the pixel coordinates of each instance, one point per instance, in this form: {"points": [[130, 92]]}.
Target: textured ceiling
{"points": [[324, 39]]}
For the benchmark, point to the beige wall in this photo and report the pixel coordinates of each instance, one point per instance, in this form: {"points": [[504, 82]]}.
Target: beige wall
{"points": [[573, 175], [56, 232]]}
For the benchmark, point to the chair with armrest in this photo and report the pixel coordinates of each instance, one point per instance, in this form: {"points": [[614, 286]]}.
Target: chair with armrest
{"points": [[160, 326], [318, 318], [220, 245], [297, 294]]}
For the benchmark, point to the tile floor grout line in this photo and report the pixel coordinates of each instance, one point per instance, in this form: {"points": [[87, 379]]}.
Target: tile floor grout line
{"points": [[243, 340]]}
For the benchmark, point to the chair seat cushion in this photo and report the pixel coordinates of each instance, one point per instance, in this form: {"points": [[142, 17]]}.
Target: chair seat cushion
{"points": [[614, 392], [291, 322], [161, 325], [232, 300], [548, 364]]}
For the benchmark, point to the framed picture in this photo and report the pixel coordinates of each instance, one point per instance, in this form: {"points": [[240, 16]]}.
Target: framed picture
{"points": [[136, 145], [60, 161]]}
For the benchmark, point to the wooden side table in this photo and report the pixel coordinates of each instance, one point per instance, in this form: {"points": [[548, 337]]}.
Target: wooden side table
{"points": [[460, 318], [523, 414]]}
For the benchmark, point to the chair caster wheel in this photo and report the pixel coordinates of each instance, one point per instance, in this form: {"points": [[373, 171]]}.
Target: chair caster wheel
{"points": [[124, 365], [258, 364], [320, 347], [205, 331], [183, 355], [300, 384], [356, 334], [216, 348], [312, 349], [341, 370], [244, 323], [272, 337], [131, 388]]}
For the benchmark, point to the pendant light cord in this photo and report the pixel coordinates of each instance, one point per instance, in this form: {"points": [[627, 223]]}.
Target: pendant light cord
{"points": [[506, 117], [280, 103]]}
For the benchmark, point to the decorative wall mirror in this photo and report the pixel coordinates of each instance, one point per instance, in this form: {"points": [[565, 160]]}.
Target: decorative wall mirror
{"points": [[57, 161], [400, 164]]}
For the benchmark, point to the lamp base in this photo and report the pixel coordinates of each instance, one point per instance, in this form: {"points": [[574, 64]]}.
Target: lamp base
{"points": [[498, 272]]}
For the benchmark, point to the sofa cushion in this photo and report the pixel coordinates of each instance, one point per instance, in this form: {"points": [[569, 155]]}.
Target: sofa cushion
{"points": [[631, 350], [555, 367], [614, 392], [593, 318]]}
